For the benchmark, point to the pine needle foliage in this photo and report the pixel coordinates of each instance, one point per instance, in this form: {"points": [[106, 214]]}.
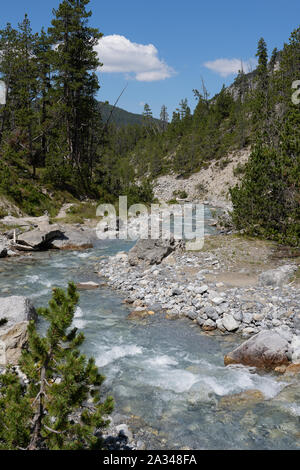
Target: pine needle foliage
{"points": [[59, 408]]}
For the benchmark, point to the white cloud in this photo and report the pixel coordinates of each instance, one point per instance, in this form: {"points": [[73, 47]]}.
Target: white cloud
{"points": [[226, 67], [119, 55]]}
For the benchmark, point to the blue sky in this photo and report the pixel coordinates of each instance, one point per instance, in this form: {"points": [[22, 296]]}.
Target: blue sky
{"points": [[161, 49]]}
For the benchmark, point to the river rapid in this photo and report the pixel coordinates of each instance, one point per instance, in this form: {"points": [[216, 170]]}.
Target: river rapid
{"points": [[167, 377]]}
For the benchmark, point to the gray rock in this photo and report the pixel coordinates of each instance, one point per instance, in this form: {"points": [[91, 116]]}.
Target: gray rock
{"points": [[247, 317], [152, 251], [285, 332], [16, 309], [12, 253], [238, 316], [296, 321], [209, 325], [230, 323], [40, 239], [220, 325], [140, 445], [218, 300], [176, 291], [191, 314], [87, 285], [200, 321], [248, 331], [201, 289], [211, 313], [12, 341], [277, 277], [72, 239], [265, 350], [295, 349]]}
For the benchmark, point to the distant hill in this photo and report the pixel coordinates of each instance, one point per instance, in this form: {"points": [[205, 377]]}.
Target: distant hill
{"points": [[119, 116]]}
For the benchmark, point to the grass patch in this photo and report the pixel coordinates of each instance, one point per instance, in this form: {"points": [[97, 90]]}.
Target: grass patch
{"points": [[78, 213], [6, 228]]}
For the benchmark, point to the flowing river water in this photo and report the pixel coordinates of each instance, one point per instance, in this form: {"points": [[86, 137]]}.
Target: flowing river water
{"points": [[166, 376]]}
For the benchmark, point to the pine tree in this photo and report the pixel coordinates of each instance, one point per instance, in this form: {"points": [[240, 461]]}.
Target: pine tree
{"points": [[8, 73], [267, 202], [164, 117], [60, 406], [46, 118], [184, 109], [273, 60], [241, 83], [26, 91], [147, 113], [261, 93], [75, 81]]}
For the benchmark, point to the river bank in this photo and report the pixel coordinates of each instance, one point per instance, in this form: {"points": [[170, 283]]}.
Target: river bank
{"points": [[234, 285]]}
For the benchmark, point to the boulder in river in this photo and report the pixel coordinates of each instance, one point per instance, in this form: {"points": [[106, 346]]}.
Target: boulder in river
{"points": [[40, 239], [72, 239], [152, 251], [265, 350], [87, 285], [16, 309]]}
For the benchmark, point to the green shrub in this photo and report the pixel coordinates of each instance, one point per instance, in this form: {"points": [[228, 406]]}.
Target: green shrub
{"points": [[180, 194], [266, 203], [61, 381]]}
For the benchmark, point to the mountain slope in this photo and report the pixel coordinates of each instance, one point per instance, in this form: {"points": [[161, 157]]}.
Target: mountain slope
{"points": [[119, 116]]}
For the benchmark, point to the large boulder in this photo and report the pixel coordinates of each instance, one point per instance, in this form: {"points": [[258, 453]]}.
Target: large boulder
{"points": [[152, 251], [72, 239], [15, 312], [265, 350], [277, 277], [16, 309], [40, 238], [12, 342]]}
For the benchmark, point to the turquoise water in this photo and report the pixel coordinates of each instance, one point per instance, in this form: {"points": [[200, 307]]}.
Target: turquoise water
{"points": [[166, 376]]}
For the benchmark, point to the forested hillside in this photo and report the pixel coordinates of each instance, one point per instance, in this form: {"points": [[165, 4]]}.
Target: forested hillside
{"points": [[54, 142], [118, 116], [257, 110], [58, 143]]}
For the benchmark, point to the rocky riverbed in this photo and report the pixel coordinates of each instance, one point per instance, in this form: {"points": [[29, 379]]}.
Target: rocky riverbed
{"points": [[249, 299]]}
